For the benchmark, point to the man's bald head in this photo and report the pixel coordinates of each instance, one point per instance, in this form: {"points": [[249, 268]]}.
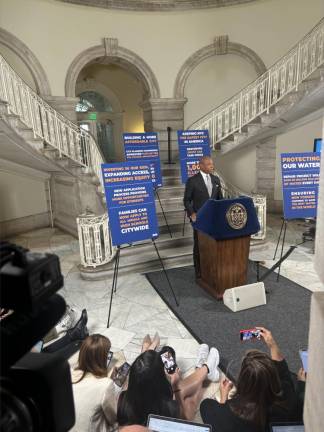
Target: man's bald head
{"points": [[206, 164]]}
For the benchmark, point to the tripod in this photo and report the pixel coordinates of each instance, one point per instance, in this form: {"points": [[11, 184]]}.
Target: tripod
{"points": [[115, 277]]}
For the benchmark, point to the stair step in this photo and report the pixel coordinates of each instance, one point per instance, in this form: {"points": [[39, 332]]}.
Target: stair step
{"points": [[175, 252]]}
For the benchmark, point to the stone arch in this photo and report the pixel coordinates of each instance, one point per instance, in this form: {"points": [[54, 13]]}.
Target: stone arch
{"points": [[220, 46], [29, 59], [116, 55]]}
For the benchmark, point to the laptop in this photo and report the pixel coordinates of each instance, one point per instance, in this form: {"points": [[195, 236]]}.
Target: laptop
{"points": [[166, 424], [287, 427]]}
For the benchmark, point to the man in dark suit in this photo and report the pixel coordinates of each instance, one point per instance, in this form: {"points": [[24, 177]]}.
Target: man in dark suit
{"points": [[200, 188]]}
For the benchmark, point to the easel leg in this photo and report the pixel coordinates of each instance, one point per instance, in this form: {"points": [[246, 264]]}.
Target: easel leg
{"points": [[165, 272], [275, 254], [282, 247], [114, 283], [184, 223], [158, 196]]}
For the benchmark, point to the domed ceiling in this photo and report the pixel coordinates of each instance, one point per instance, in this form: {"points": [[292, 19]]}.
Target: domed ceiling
{"points": [[157, 5]]}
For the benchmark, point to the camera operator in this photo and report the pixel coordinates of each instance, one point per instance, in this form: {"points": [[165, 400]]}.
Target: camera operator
{"points": [[36, 391]]}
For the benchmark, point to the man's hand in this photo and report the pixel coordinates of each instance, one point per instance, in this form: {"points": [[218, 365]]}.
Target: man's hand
{"points": [[193, 217], [225, 387], [301, 375]]}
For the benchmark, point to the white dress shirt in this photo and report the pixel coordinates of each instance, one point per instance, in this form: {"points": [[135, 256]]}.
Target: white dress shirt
{"points": [[207, 179]]}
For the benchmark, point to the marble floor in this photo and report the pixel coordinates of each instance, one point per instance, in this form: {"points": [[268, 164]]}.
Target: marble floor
{"points": [[137, 309]]}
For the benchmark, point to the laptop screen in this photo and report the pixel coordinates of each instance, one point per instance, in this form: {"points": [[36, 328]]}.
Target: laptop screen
{"points": [[166, 424], [288, 428]]}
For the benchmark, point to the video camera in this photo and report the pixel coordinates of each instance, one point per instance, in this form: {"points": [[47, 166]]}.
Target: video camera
{"points": [[35, 388]]}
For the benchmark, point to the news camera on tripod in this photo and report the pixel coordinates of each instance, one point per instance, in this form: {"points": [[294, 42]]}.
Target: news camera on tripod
{"points": [[35, 388]]}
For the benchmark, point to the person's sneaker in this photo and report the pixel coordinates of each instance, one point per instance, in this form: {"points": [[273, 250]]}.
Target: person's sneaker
{"points": [[202, 355], [68, 320], [212, 363], [79, 331]]}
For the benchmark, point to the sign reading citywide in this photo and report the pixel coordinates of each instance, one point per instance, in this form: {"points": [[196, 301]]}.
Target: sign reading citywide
{"points": [[300, 180], [130, 202], [193, 145], [144, 147]]}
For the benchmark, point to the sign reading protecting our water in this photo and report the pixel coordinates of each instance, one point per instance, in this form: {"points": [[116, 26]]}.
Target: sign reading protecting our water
{"points": [[130, 202], [144, 147], [300, 179], [193, 145]]}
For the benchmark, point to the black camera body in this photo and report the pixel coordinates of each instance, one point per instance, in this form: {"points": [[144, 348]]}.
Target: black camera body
{"points": [[36, 390]]}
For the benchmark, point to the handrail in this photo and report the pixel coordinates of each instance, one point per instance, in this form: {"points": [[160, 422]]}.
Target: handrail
{"points": [[261, 94], [46, 123]]}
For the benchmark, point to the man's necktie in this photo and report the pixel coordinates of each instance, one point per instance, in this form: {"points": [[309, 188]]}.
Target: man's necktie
{"points": [[209, 185]]}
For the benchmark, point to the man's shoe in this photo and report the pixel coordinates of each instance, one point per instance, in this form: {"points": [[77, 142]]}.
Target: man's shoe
{"points": [[212, 363], [80, 331], [202, 356]]}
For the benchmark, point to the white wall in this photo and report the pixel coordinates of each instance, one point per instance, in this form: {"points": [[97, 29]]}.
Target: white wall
{"points": [[57, 32], [18, 65], [21, 196], [239, 167], [297, 140], [213, 81]]}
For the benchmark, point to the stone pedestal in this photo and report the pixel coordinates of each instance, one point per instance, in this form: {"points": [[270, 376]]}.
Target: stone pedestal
{"points": [[64, 105], [159, 114], [266, 171]]}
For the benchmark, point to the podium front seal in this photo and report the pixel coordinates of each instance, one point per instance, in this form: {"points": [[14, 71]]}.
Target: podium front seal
{"points": [[236, 216]]}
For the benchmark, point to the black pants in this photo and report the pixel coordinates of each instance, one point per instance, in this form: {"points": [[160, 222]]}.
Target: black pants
{"points": [[196, 257], [64, 346]]}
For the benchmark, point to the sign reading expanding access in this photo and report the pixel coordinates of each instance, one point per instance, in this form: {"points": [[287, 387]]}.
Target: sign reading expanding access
{"points": [[193, 145], [144, 147], [300, 179], [130, 202]]}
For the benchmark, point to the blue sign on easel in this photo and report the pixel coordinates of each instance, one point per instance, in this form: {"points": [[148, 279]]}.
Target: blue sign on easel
{"points": [[144, 147], [130, 202], [300, 180], [193, 145]]}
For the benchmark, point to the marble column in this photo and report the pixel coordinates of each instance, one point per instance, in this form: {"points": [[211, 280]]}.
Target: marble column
{"points": [[266, 171], [64, 105], [159, 114]]}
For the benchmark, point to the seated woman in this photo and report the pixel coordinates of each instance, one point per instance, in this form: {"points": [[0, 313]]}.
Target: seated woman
{"points": [[151, 390], [264, 393], [90, 381]]}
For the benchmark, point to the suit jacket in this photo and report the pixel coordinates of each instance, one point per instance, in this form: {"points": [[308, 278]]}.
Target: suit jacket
{"points": [[196, 193]]}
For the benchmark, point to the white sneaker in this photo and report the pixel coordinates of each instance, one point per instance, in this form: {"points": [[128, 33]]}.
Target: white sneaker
{"points": [[203, 352], [67, 321], [212, 363]]}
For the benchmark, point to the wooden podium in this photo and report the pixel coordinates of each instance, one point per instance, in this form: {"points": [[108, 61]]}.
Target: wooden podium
{"points": [[224, 229]]}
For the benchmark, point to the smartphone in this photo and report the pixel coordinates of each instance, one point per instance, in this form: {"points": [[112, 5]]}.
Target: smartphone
{"points": [[249, 334], [303, 354], [109, 357], [121, 374], [169, 363]]}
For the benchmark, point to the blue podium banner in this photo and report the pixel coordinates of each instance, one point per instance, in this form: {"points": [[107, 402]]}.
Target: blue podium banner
{"points": [[193, 145], [130, 202], [300, 180], [144, 147]]}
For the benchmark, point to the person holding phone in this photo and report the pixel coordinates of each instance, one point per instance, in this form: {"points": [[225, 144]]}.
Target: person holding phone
{"points": [[264, 392], [152, 390], [91, 385]]}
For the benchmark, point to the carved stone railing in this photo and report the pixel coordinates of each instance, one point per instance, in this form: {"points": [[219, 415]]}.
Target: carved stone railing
{"points": [[46, 123], [96, 248], [71, 142], [258, 97]]}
